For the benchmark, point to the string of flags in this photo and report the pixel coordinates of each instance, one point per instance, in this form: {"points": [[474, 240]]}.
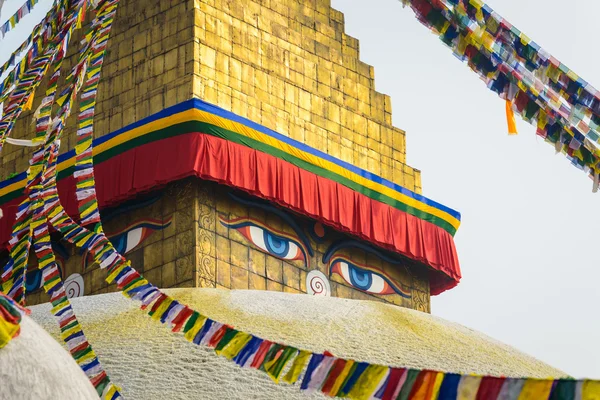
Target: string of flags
{"points": [[37, 40], [84, 172], [326, 373], [31, 229], [19, 96], [24, 10], [563, 107]]}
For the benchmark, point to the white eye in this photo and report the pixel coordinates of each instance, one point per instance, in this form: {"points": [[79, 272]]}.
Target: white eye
{"points": [[377, 285], [134, 237], [344, 271], [257, 235], [273, 244], [292, 252], [361, 279]]}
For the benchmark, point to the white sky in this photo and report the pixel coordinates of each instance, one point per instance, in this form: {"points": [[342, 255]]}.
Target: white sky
{"points": [[526, 243]]}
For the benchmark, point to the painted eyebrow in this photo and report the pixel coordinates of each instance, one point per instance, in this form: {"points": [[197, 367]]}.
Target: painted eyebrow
{"points": [[129, 206], [343, 244], [280, 214], [148, 223]]}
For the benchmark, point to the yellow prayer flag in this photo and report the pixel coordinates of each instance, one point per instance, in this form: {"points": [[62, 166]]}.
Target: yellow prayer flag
{"points": [[61, 100], [342, 377], [29, 103], [90, 210], [81, 147], [88, 357], [536, 389], [83, 240], [5, 288], [236, 345], [70, 331], [437, 385], [162, 308], [510, 119], [191, 334], [542, 120], [112, 389], [115, 273], [591, 390], [294, 373], [368, 382], [137, 284], [7, 331]]}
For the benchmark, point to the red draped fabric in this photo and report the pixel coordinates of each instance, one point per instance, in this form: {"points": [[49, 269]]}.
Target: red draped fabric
{"points": [[150, 166]]}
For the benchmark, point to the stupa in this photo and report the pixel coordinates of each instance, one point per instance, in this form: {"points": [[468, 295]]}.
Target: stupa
{"points": [[244, 161]]}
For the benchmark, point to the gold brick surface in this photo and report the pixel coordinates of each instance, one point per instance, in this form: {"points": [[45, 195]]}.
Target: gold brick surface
{"points": [[285, 64]]}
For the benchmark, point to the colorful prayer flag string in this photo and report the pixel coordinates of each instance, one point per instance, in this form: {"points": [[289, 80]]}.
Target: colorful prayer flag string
{"points": [[31, 74], [24, 10], [326, 373], [43, 201], [84, 173], [39, 36], [564, 108]]}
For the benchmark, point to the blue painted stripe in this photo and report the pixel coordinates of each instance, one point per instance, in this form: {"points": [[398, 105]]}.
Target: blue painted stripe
{"points": [[14, 179]]}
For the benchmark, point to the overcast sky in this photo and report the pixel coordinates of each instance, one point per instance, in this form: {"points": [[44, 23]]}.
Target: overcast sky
{"points": [[527, 243]]}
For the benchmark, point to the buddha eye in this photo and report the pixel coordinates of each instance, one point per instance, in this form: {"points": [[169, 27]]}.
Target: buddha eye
{"points": [[127, 241], [129, 238], [365, 278], [275, 243]]}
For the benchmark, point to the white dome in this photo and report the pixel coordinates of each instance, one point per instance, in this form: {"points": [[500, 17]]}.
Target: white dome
{"points": [[34, 366], [150, 362]]}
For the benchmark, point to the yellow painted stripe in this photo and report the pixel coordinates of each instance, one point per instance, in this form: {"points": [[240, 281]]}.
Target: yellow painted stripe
{"points": [[13, 186]]}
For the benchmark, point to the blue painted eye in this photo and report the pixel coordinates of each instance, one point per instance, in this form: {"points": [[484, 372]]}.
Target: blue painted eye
{"points": [[127, 241], [271, 243], [276, 245], [360, 279], [129, 238], [363, 278]]}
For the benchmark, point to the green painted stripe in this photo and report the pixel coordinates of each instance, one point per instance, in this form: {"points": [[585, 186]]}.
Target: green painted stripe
{"points": [[15, 194]]}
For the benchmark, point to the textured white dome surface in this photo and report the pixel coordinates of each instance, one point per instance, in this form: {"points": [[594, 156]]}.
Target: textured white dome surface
{"points": [[149, 362], [33, 366]]}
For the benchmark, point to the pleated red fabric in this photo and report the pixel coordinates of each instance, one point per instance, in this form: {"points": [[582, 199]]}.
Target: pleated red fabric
{"points": [[149, 166]]}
